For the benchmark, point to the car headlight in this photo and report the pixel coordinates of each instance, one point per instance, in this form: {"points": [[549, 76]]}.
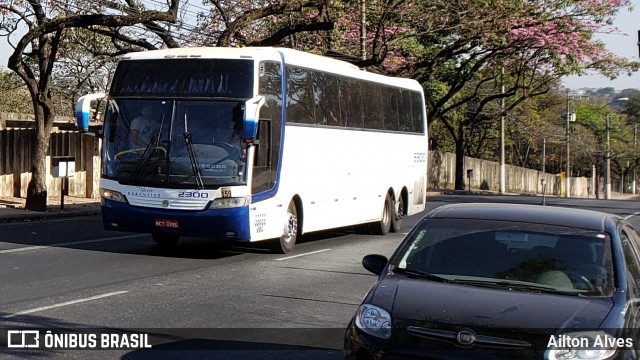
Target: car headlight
{"points": [[591, 345], [374, 321], [231, 202], [112, 195]]}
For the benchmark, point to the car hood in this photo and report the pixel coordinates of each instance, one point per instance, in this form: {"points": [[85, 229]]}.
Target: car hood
{"points": [[431, 302]]}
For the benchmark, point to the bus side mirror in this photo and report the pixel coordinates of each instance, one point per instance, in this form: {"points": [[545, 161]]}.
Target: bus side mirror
{"points": [[251, 111], [83, 110]]}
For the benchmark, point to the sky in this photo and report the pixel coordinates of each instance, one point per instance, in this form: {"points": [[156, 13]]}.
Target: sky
{"points": [[624, 44]]}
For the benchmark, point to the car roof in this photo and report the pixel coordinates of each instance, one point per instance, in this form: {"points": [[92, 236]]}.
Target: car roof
{"points": [[536, 214]]}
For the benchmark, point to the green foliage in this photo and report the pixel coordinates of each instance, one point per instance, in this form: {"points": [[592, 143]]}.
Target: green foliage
{"points": [[14, 96]]}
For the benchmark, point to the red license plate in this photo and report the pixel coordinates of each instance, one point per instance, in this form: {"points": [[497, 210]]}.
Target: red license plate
{"points": [[167, 223]]}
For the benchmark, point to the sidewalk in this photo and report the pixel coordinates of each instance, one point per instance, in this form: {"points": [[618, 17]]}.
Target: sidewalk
{"points": [[13, 209]]}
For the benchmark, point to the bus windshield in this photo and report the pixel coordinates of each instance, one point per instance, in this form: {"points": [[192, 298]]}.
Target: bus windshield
{"points": [[170, 143]]}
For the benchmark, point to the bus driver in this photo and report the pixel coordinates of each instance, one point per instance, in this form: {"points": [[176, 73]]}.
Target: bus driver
{"points": [[143, 127]]}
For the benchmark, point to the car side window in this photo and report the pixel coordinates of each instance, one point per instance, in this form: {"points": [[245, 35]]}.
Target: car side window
{"points": [[630, 250]]}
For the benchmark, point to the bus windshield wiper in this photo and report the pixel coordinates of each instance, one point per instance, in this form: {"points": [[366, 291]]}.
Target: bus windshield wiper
{"points": [[192, 155], [148, 151], [421, 274], [146, 155]]}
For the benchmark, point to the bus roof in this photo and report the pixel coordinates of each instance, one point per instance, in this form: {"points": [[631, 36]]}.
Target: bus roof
{"points": [[291, 56]]}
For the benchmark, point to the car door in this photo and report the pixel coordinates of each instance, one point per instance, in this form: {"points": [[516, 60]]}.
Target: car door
{"points": [[630, 242]]}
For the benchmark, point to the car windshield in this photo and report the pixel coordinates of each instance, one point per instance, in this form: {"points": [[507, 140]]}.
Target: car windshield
{"points": [[520, 256]]}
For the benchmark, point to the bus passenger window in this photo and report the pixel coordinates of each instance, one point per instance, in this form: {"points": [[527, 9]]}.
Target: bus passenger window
{"points": [[300, 104], [373, 118], [404, 111]]}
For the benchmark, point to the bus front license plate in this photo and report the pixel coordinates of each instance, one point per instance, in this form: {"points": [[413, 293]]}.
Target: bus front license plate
{"points": [[167, 223]]}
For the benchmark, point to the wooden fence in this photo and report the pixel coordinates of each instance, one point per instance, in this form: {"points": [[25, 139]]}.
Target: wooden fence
{"points": [[16, 148]]}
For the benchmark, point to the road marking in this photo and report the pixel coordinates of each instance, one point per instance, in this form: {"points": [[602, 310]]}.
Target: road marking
{"points": [[632, 215], [28, 248], [42, 308], [305, 254]]}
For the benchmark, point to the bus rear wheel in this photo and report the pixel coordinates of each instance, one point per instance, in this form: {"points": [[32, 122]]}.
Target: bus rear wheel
{"points": [[165, 240], [397, 215], [383, 226], [287, 240]]}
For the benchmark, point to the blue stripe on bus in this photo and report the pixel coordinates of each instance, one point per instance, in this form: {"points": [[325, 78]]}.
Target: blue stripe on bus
{"points": [[283, 120], [214, 224]]}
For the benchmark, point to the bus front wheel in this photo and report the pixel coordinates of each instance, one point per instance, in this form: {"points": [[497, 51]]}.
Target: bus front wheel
{"points": [[287, 240], [383, 226], [165, 240]]}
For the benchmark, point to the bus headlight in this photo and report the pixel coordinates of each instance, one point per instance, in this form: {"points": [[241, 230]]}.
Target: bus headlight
{"points": [[231, 202], [592, 345], [112, 195], [374, 321]]}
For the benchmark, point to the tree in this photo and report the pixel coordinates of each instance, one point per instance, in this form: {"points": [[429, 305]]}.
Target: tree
{"points": [[35, 54], [467, 46], [245, 23], [84, 66]]}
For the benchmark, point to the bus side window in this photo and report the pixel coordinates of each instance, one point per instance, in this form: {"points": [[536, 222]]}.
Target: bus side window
{"points": [[418, 107], [404, 111], [300, 104], [390, 108], [371, 108]]}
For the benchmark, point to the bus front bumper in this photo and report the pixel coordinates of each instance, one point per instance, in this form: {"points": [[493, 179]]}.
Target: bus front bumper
{"points": [[224, 224]]}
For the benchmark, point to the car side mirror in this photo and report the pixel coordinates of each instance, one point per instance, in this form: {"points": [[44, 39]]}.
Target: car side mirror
{"points": [[374, 263]]}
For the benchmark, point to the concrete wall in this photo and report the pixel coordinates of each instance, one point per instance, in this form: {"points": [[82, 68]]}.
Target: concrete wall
{"points": [[486, 176]]}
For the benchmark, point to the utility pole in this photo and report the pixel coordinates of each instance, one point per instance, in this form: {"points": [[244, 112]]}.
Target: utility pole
{"points": [[607, 154], [502, 107], [567, 174], [544, 154], [607, 183], [635, 154], [363, 30]]}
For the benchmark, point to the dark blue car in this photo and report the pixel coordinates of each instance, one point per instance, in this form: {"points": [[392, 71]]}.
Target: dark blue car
{"points": [[504, 281]]}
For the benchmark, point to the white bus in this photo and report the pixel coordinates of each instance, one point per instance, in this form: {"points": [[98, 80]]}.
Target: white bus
{"points": [[253, 144]]}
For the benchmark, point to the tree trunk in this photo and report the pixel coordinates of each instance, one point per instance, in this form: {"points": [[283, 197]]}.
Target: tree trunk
{"points": [[37, 188]]}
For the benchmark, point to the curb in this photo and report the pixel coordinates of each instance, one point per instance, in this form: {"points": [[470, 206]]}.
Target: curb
{"points": [[12, 215]]}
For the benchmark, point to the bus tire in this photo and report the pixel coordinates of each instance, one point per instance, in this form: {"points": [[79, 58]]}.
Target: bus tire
{"points": [[165, 240], [397, 215], [287, 240], [383, 226]]}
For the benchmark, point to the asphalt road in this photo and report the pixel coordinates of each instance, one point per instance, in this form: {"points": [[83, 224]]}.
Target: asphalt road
{"points": [[203, 300]]}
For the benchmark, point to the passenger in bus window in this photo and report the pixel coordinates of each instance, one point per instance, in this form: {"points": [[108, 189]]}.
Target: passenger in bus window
{"points": [[143, 127], [226, 147]]}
